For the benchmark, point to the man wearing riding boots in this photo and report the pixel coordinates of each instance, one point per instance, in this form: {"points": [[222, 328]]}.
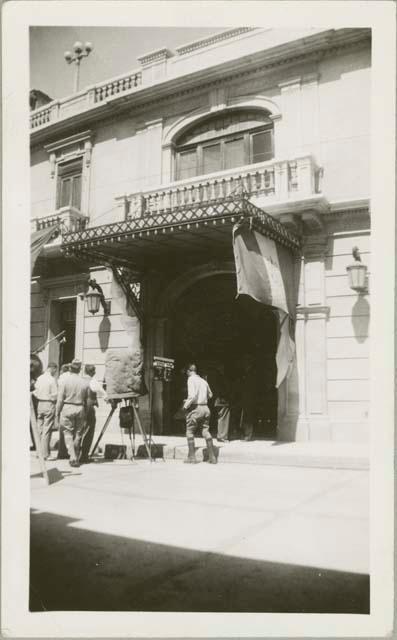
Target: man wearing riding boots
{"points": [[198, 414]]}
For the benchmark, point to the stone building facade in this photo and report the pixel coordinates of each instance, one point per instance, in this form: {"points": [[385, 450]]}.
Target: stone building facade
{"points": [[282, 115]]}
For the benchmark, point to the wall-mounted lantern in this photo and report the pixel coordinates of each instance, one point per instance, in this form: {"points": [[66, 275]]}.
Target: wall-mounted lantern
{"points": [[357, 273], [95, 298]]}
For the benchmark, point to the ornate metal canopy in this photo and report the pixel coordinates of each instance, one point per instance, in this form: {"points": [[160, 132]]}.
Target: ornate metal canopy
{"points": [[137, 242]]}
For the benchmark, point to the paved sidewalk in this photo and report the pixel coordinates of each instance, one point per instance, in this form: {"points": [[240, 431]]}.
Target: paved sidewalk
{"points": [[166, 536], [328, 455]]}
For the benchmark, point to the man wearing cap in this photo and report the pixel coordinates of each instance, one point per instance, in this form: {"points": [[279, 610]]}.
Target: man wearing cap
{"points": [[45, 390], [198, 413], [70, 409]]}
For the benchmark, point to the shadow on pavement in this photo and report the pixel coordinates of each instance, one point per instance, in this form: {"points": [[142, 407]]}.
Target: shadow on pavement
{"points": [[73, 569], [54, 474]]}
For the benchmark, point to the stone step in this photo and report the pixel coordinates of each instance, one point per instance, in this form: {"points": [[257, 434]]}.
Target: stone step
{"points": [[328, 455]]}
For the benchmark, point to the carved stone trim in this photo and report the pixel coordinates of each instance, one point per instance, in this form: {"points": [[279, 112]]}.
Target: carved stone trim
{"points": [[355, 217], [158, 55], [292, 222], [75, 146], [183, 49], [53, 165], [312, 222], [218, 98], [66, 142]]}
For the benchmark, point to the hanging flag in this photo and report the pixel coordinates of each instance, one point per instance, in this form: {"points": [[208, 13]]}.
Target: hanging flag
{"points": [[37, 241], [265, 271]]}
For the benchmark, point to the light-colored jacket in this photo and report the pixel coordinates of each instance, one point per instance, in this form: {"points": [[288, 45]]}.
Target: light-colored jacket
{"points": [[198, 391]]}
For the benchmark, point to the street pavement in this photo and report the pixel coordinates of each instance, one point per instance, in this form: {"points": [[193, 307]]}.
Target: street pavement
{"points": [[166, 536]]}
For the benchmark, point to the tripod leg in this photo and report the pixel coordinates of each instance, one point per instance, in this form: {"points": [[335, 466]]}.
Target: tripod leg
{"points": [[113, 409], [133, 436], [132, 446], [142, 432], [151, 416]]}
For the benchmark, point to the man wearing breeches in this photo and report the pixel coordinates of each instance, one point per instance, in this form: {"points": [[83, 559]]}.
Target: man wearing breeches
{"points": [[198, 414], [70, 408]]}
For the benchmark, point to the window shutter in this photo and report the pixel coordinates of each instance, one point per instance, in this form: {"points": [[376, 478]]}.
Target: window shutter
{"points": [[69, 184]]}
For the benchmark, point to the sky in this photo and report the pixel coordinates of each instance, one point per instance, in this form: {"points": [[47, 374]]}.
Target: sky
{"points": [[115, 52]]}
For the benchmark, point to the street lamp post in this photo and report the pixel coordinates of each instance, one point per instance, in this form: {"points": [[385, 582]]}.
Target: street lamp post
{"points": [[80, 51]]}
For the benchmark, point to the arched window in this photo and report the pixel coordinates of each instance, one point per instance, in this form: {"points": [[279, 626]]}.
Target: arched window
{"points": [[223, 142]]}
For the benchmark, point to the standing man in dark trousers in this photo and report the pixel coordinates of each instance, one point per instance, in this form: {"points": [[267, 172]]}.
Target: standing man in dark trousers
{"points": [[94, 390], [70, 410], [198, 414]]}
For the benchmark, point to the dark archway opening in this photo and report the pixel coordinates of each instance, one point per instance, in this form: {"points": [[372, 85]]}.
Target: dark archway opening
{"points": [[63, 318], [225, 337]]}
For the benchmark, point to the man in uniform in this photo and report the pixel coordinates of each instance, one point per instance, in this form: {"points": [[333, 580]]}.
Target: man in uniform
{"points": [[45, 390], [94, 390], [198, 413], [70, 410]]}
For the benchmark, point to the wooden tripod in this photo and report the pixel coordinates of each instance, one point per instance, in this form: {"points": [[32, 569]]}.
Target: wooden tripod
{"points": [[132, 400]]}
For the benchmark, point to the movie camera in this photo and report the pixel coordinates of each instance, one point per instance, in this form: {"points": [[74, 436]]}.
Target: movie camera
{"points": [[163, 368]]}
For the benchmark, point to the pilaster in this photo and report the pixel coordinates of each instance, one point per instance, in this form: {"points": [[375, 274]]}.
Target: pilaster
{"points": [[289, 128], [311, 340], [167, 163]]}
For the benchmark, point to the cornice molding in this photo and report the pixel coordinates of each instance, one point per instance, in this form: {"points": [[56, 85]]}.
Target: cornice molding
{"points": [[71, 140], [270, 60], [183, 49], [342, 206]]}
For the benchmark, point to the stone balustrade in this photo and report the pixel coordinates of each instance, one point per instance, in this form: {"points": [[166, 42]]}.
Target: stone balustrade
{"points": [[265, 182], [70, 218], [91, 96], [119, 85], [40, 116]]}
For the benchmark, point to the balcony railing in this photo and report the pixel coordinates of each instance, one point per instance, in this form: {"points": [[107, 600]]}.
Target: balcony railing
{"points": [[70, 219], [268, 182], [91, 96]]}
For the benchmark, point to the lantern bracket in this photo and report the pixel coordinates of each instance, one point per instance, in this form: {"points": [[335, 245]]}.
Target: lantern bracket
{"points": [[96, 287], [357, 273]]}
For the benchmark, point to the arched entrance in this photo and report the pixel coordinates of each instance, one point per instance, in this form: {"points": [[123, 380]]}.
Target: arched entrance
{"points": [[223, 336]]}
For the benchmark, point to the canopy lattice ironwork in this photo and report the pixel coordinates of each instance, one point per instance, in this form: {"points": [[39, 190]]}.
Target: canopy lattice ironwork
{"points": [[137, 242]]}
